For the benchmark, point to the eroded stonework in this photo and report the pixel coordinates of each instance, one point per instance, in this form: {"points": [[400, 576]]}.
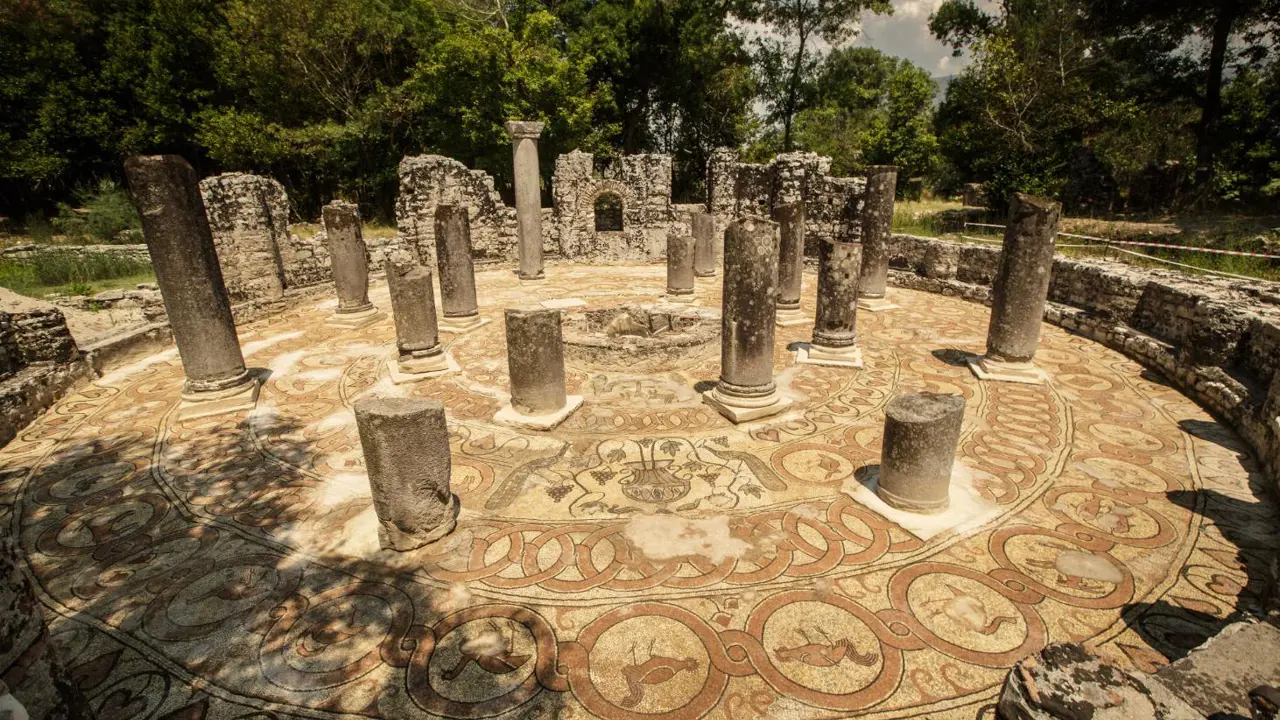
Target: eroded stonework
{"points": [[641, 183], [430, 180]]}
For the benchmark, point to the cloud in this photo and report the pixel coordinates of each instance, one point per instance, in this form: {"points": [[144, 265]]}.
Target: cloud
{"points": [[906, 34]]}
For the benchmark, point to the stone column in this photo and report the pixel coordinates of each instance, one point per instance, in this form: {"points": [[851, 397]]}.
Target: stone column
{"points": [[1020, 292], [165, 191], [535, 362], [418, 353], [457, 273], [704, 235], [680, 258], [524, 146], [920, 435], [877, 232], [790, 263], [349, 259], [406, 451], [746, 390], [835, 333]]}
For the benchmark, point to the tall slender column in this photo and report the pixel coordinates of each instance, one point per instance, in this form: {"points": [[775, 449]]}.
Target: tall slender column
{"points": [[349, 259], [835, 331], [1020, 292], [877, 232], [704, 235], [165, 191], [457, 273], [680, 257], [920, 435], [535, 363], [524, 146], [790, 263], [406, 451], [418, 353], [746, 390]]}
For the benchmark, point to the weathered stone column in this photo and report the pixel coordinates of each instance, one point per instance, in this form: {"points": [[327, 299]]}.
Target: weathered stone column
{"points": [[418, 353], [790, 219], [920, 435], [524, 146], [835, 331], [680, 257], [535, 363], [349, 259], [406, 451], [704, 235], [877, 232], [457, 273], [165, 191], [1020, 292], [746, 390]]}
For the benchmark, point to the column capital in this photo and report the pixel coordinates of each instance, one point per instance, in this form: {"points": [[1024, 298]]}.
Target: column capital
{"points": [[521, 129]]}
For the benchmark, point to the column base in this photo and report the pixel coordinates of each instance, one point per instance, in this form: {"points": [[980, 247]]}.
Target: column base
{"points": [[392, 538], [789, 317], [810, 354], [542, 275], [684, 298], [462, 326], [220, 402], [914, 506], [355, 319], [729, 406], [994, 370], [707, 274], [412, 370], [508, 415], [879, 304]]}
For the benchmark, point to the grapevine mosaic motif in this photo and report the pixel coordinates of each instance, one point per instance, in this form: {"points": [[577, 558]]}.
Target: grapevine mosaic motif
{"points": [[647, 558]]}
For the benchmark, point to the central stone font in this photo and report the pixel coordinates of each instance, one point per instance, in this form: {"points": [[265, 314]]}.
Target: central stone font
{"points": [[638, 338]]}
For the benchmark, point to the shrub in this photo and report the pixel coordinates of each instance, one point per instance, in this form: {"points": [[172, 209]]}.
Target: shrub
{"points": [[55, 268], [105, 215]]}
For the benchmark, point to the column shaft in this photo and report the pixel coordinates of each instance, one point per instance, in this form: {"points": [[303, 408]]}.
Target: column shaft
{"points": [[790, 219], [347, 256], [453, 259], [704, 235], [414, 307], [406, 451], [835, 323], [165, 191], [535, 360], [877, 229], [680, 258], [749, 307], [1022, 279], [920, 435], [524, 147]]}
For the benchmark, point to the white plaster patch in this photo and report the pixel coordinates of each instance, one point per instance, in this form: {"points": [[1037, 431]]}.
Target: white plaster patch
{"points": [[345, 486], [340, 419], [284, 364], [968, 509], [255, 346], [563, 303], [121, 373], [321, 374], [664, 537], [457, 597]]}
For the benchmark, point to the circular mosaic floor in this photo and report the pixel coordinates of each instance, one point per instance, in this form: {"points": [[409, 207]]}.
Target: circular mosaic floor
{"points": [[647, 558]]}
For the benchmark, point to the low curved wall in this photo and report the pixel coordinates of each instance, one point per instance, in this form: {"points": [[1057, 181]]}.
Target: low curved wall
{"points": [[1216, 339]]}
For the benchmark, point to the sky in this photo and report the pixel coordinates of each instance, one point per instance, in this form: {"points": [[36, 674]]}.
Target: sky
{"points": [[906, 34]]}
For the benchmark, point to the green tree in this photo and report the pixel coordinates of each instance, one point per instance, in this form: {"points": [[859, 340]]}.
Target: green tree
{"points": [[787, 59]]}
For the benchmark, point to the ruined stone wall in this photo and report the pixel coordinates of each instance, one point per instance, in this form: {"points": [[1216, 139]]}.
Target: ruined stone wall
{"points": [[642, 183], [249, 217], [39, 361], [833, 205], [1217, 339], [429, 180]]}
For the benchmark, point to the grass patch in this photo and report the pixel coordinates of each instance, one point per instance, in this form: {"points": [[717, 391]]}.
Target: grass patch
{"points": [[922, 217], [59, 271]]}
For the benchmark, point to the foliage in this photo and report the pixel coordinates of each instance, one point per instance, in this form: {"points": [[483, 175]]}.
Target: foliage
{"points": [[50, 269], [874, 110], [786, 59], [105, 215]]}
